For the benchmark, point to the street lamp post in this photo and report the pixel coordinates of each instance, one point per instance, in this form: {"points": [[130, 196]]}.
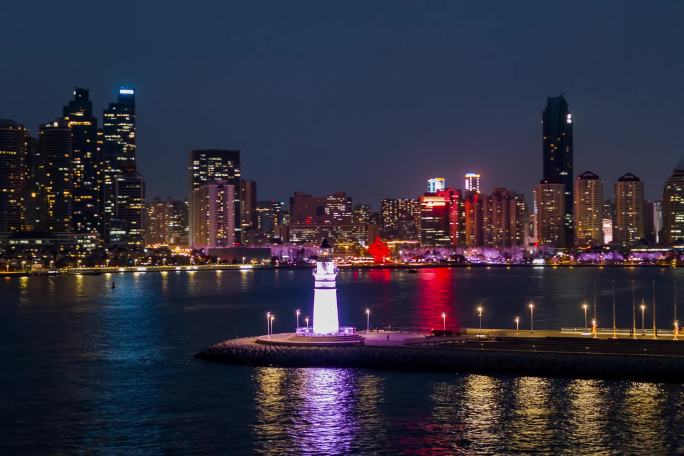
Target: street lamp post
{"points": [[306, 320], [268, 323], [444, 321], [643, 319], [297, 312], [531, 317], [586, 322], [517, 324], [367, 321], [479, 314], [272, 318]]}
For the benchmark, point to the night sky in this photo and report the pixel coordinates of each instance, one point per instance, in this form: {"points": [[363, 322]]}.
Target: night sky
{"points": [[368, 97]]}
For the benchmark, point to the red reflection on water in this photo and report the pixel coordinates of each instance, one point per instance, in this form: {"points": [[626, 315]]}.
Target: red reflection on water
{"points": [[436, 296], [380, 275]]}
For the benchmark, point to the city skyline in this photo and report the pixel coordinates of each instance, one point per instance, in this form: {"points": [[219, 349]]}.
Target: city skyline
{"points": [[392, 126]]}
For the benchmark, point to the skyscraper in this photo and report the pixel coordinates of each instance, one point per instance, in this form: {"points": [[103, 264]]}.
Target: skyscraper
{"points": [[400, 218], [248, 201], [440, 218], [213, 210], [436, 184], [215, 165], [549, 209], [129, 208], [472, 182], [588, 194], [558, 156], [56, 174], [119, 147], [86, 162], [673, 206], [13, 137], [629, 210]]}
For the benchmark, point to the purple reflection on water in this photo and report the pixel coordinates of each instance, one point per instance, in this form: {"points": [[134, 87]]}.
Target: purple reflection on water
{"points": [[325, 418]]}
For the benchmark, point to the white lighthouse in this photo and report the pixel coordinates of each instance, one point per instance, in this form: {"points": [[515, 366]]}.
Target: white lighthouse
{"points": [[325, 320]]}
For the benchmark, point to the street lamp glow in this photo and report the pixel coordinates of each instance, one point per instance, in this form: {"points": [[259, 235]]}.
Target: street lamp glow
{"points": [[443, 321], [367, 321], [531, 306], [585, 307], [479, 314], [268, 323], [517, 324], [306, 320], [643, 319]]}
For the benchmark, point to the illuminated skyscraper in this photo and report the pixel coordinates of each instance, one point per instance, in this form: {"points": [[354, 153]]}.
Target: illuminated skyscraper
{"points": [[472, 182], [673, 207], [213, 209], [558, 156], [13, 139], [215, 165], [440, 221], [436, 184], [118, 149], [56, 176], [629, 210], [549, 207], [86, 162], [588, 194]]}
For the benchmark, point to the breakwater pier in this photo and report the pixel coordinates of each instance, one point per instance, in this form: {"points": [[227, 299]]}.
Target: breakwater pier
{"points": [[540, 353]]}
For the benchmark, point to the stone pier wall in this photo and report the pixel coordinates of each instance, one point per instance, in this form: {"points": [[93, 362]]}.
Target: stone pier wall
{"points": [[649, 368]]}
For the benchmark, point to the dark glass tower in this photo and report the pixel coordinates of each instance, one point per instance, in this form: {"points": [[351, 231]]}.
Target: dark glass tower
{"points": [[557, 154], [86, 162], [118, 150], [13, 136]]}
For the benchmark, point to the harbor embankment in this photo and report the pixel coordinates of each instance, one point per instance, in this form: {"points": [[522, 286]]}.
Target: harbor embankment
{"points": [[572, 357]]}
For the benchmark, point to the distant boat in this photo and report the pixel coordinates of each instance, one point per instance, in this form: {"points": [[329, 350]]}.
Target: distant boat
{"points": [[413, 271]]}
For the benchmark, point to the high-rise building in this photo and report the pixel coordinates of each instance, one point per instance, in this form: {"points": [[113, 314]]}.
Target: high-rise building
{"points": [[656, 226], [33, 200], [362, 213], [472, 182], [56, 176], [157, 222], [440, 221], [13, 141], [436, 184], [86, 162], [588, 194], [118, 148], [248, 202], [549, 210], [166, 222], [629, 210], [473, 222], [209, 165], [213, 210], [333, 209], [129, 210], [673, 207], [400, 218], [270, 214], [558, 156], [504, 218]]}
